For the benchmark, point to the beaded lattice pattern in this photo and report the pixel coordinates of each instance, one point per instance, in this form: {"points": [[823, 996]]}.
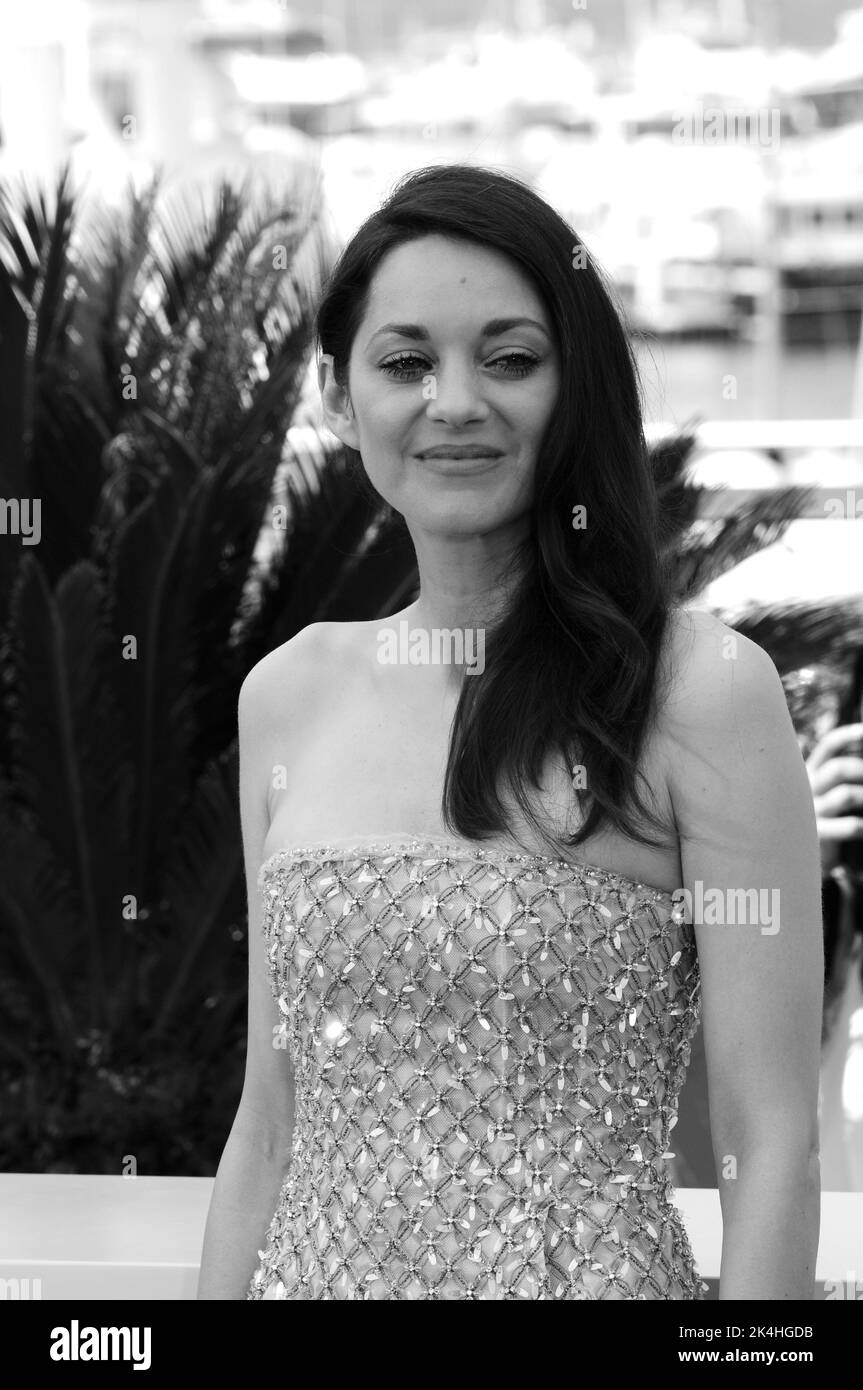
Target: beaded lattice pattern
{"points": [[487, 1051]]}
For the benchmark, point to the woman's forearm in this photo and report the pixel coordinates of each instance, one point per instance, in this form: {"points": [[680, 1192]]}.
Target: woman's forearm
{"points": [[245, 1195], [771, 1216]]}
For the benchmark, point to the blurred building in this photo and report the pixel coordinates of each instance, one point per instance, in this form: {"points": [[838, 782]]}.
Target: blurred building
{"points": [[125, 86], [734, 237]]}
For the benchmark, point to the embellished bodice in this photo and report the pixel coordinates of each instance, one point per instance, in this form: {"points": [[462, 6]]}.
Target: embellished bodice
{"points": [[487, 1050]]}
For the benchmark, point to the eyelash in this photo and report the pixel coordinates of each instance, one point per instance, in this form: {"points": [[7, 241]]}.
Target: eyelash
{"points": [[396, 368]]}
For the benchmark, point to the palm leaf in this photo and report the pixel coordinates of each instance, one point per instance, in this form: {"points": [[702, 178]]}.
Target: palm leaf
{"points": [[113, 251], [800, 634], [65, 741], [39, 926], [339, 556], [148, 577], [198, 881], [713, 546]]}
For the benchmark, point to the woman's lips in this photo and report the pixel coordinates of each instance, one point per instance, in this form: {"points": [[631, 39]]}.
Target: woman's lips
{"points": [[450, 463], [461, 451]]}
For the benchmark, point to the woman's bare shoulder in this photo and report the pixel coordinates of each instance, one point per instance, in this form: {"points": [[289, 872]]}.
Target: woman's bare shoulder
{"points": [[705, 656], [291, 673], [719, 682]]}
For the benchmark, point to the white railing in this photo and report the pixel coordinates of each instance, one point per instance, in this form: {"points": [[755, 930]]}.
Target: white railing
{"points": [[769, 434], [71, 1236]]}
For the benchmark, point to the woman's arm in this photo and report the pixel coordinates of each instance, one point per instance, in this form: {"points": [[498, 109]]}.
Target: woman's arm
{"points": [[746, 821], [257, 1152]]}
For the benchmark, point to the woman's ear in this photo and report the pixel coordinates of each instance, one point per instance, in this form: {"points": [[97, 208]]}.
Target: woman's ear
{"points": [[336, 402]]}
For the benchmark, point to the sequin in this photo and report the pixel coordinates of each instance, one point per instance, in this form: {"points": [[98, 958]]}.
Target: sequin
{"points": [[488, 1114]]}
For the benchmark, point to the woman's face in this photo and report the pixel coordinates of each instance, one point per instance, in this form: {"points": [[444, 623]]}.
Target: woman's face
{"points": [[455, 349]]}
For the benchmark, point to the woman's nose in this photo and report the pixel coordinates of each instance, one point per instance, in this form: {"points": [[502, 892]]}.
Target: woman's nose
{"points": [[455, 395]]}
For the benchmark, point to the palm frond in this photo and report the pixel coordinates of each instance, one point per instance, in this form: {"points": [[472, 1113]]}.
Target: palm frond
{"points": [[198, 880], [66, 744], [112, 252], [147, 570], [40, 928], [799, 634], [714, 545], [38, 291], [337, 554], [670, 458]]}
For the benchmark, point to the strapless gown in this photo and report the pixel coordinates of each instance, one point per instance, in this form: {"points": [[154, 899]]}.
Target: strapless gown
{"points": [[487, 1050]]}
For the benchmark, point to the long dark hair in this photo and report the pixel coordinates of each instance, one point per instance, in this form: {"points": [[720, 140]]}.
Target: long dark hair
{"points": [[573, 661]]}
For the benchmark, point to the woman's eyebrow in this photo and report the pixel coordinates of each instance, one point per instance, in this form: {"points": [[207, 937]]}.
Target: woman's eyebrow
{"points": [[489, 330]]}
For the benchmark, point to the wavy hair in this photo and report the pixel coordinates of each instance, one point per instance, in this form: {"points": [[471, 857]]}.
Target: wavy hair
{"points": [[573, 659]]}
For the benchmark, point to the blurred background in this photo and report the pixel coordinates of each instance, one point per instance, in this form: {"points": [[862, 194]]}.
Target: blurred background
{"points": [[748, 232], [176, 177]]}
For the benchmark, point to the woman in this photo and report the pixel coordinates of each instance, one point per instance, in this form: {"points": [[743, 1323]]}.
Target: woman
{"points": [[472, 985]]}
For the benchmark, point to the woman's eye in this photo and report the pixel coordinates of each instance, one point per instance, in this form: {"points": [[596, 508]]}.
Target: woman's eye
{"points": [[399, 366], [522, 363], [408, 364]]}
